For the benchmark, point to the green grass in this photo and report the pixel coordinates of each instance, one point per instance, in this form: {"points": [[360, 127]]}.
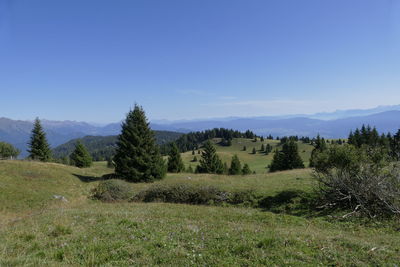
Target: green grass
{"points": [[37, 230], [258, 162]]}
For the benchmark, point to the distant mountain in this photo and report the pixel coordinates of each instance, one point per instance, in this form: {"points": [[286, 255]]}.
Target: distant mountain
{"points": [[18, 132], [59, 132], [102, 147], [388, 121]]}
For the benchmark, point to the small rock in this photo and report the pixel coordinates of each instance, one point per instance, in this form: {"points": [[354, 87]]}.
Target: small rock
{"points": [[62, 198]]}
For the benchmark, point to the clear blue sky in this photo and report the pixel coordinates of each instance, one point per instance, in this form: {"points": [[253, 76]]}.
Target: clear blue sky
{"points": [[91, 60]]}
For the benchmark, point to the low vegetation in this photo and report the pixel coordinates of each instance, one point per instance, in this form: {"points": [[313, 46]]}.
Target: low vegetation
{"points": [[112, 190], [37, 229]]}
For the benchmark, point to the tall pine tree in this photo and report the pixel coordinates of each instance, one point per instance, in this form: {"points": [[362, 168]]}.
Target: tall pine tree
{"points": [[319, 147], [175, 163], [210, 162], [137, 157], [236, 166], [39, 148], [80, 157]]}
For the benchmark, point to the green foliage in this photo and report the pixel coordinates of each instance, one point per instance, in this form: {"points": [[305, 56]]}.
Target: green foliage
{"points": [[190, 169], [236, 166], [137, 157], [39, 148], [175, 163], [8, 151], [103, 147], [192, 140], [110, 163], [288, 158], [363, 180], [210, 162], [195, 195], [246, 169], [395, 146], [254, 151], [80, 157], [319, 147], [112, 190]]}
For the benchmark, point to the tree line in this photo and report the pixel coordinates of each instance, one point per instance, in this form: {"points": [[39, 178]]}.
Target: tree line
{"points": [[193, 140]]}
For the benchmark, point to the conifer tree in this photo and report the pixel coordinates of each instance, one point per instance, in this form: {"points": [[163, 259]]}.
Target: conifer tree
{"points": [[287, 159], [395, 146], [39, 148], [80, 157], [236, 166], [254, 150], [320, 146], [190, 169], [210, 162], [262, 148], [244, 148], [246, 169], [137, 157], [175, 163]]}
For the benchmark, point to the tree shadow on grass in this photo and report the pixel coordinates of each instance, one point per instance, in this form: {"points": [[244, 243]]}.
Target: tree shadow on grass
{"points": [[90, 179], [292, 202]]}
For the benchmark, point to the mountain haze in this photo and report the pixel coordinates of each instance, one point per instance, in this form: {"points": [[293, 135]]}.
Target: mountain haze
{"points": [[17, 132]]}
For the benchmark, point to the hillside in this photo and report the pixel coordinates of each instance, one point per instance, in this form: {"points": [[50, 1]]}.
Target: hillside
{"points": [[258, 162], [37, 229], [103, 147]]}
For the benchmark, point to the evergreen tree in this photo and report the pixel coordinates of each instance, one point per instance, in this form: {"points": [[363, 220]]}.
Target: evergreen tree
{"points": [[210, 162], [262, 139], [262, 148], [254, 150], [320, 146], [39, 148], [80, 157], [175, 163], [236, 166], [246, 169], [193, 152], [395, 146], [268, 149], [226, 169], [137, 157], [194, 159], [244, 148], [288, 158], [190, 169]]}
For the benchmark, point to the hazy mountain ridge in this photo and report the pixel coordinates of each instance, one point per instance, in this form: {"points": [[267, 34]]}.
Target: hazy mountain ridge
{"points": [[17, 132]]}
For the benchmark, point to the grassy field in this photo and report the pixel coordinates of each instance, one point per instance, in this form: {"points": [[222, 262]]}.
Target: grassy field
{"points": [[38, 230], [258, 162]]}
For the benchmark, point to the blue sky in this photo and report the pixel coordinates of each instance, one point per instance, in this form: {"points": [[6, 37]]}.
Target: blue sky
{"points": [[92, 60]]}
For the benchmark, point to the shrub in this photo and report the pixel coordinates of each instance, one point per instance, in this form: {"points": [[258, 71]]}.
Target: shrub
{"points": [[359, 179], [112, 190], [195, 195]]}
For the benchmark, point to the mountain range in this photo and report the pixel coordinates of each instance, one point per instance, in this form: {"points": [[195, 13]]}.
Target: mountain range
{"points": [[330, 125]]}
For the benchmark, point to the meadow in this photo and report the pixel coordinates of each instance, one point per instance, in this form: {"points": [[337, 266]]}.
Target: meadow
{"points": [[40, 230], [258, 162]]}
